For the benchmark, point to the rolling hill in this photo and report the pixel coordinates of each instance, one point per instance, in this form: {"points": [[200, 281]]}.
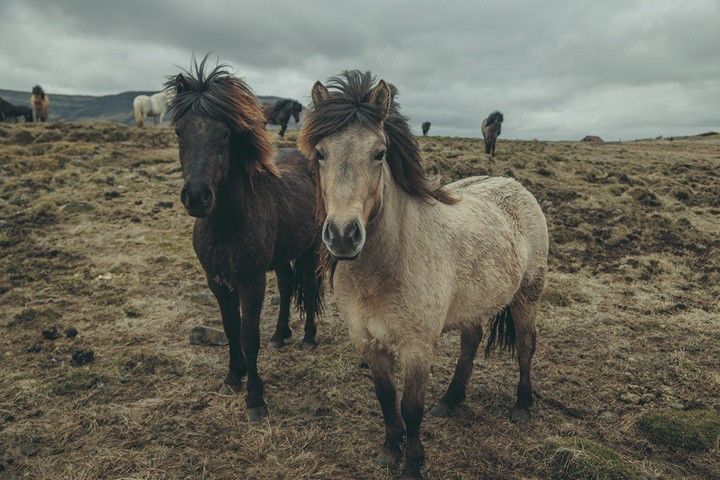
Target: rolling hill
{"points": [[117, 107]]}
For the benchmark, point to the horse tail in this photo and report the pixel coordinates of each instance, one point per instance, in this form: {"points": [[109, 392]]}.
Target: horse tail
{"points": [[502, 332], [137, 109], [307, 283]]}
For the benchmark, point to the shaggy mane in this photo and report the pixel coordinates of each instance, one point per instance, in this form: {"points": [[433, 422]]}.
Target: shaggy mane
{"points": [[220, 95], [348, 104]]}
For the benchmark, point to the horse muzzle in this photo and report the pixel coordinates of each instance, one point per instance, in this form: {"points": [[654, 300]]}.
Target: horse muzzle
{"points": [[198, 199], [344, 240]]}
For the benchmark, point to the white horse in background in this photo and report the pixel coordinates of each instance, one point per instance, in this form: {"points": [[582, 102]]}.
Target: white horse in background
{"points": [[151, 106]]}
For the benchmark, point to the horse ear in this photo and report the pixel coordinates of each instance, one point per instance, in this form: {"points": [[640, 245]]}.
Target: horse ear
{"points": [[382, 96], [319, 93], [180, 83]]}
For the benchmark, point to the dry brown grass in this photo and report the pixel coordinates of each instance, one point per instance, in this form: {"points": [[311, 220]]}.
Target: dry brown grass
{"points": [[630, 322]]}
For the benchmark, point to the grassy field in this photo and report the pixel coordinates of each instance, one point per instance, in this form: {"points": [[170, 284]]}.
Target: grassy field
{"points": [[93, 236]]}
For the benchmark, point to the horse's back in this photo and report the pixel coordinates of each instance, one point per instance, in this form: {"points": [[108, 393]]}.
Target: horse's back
{"points": [[501, 206]]}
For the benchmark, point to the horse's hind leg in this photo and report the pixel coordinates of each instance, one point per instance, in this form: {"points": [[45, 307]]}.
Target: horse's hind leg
{"points": [[285, 284], [311, 292], [469, 341], [523, 310]]}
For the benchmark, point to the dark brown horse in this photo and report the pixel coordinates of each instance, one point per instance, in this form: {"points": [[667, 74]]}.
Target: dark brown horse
{"points": [[280, 113], [425, 128], [491, 128], [254, 213]]}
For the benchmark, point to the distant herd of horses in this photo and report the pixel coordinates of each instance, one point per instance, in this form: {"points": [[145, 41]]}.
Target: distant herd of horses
{"points": [[36, 112], [352, 206], [277, 113]]}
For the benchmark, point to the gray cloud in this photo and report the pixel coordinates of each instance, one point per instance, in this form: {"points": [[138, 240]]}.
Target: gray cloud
{"points": [[616, 69]]}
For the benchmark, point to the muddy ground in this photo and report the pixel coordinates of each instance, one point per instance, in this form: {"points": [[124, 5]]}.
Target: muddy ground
{"points": [[93, 236]]}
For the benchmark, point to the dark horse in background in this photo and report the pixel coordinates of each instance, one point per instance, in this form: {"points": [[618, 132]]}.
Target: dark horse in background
{"points": [[10, 112], [254, 212], [280, 112], [425, 128], [491, 128]]}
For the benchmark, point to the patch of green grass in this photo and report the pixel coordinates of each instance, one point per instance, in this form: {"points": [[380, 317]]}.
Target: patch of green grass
{"points": [[695, 430], [583, 459]]}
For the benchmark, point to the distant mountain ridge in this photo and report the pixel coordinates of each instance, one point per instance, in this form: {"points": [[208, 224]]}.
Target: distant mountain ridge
{"points": [[117, 107]]}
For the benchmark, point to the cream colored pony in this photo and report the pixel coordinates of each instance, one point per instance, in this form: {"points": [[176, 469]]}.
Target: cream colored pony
{"points": [[151, 106], [409, 260]]}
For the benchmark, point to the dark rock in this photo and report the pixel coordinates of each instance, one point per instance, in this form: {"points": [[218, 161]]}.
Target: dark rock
{"points": [[81, 356], [112, 194], [51, 333], [165, 204], [71, 332], [34, 348], [204, 335]]}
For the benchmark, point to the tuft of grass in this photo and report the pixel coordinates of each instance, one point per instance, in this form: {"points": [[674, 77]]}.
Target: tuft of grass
{"points": [[75, 381], [694, 430], [579, 458]]}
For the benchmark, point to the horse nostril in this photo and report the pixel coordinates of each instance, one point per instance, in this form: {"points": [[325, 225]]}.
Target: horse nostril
{"points": [[357, 233], [329, 232], [205, 196], [352, 231]]}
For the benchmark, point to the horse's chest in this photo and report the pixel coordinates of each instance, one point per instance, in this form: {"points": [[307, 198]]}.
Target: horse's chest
{"points": [[231, 261]]}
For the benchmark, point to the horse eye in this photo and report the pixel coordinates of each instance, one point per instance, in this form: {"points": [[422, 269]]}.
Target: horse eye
{"points": [[380, 156], [319, 155]]}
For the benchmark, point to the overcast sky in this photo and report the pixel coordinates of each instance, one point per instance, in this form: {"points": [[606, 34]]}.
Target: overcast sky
{"points": [[557, 70]]}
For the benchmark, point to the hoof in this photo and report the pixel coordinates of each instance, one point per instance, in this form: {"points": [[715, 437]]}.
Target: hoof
{"points": [[363, 364], [277, 343], [408, 474], [387, 458], [441, 410], [227, 389], [308, 344], [520, 416], [255, 414]]}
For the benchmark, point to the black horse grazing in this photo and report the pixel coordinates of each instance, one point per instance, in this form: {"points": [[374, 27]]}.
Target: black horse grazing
{"points": [[11, 113], [253, 215], [426, 128], [491, 128], [280, 113]]}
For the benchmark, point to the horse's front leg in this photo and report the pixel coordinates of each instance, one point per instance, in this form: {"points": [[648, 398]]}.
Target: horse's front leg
{"points": [[381, 367], [229, 303], [251, 298], [416, 373], [282, 129]]}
